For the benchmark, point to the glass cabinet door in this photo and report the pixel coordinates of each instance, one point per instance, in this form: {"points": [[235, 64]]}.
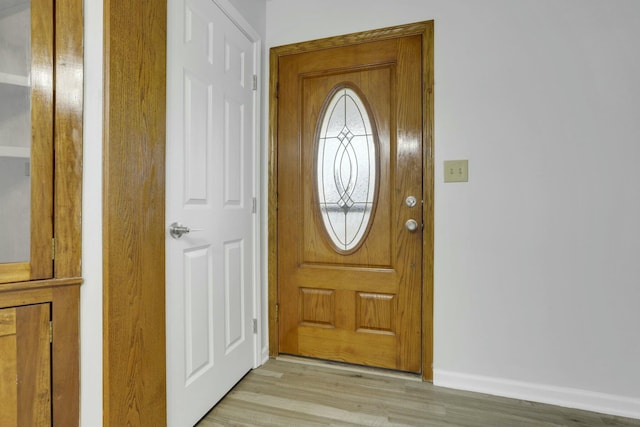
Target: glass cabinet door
{"points": [[26, 135]]}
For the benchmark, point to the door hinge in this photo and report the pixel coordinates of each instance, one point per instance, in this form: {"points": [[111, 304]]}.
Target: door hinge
{"points": [[53, 248], [276, 312], [255, 82], [50, 331], [255, 206], [255, 326]]}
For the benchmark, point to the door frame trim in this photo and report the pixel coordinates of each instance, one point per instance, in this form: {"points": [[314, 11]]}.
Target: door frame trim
{"points": [[426, 30]]}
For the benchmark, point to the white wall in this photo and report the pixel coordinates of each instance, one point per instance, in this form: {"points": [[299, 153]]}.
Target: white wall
{"points": [[254, 11], [91, 290], [537, 276]]}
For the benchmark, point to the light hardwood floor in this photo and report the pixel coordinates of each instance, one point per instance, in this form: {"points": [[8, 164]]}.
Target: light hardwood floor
{"points": [[300, 393]]}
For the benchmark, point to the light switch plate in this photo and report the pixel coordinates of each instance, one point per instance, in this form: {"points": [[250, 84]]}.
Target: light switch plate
{"points": [[456, 171]]}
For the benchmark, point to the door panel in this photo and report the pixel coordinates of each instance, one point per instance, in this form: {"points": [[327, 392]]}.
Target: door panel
{"points": [[361, 306], [25, 366], [210, 188], [198, 283]]}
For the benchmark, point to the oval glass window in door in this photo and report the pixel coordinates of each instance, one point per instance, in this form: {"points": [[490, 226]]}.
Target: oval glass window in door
{"points": [[346, 168]]}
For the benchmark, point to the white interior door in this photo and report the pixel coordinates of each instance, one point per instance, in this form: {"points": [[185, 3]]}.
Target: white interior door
{"points": [[211, 115]]}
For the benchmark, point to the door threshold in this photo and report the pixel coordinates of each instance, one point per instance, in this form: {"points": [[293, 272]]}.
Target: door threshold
{"points": [[382, 372]]}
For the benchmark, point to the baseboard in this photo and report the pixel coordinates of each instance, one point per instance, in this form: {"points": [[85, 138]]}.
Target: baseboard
{"points": [[561, 396], [264, 355]]}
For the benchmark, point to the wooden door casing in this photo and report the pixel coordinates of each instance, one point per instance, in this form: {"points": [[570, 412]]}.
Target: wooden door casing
{"points": [[134, 368], [364, 306]]}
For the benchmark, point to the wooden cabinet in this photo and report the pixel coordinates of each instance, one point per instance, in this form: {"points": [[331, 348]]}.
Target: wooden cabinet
{"points": [[38, 327], [40, 286]]}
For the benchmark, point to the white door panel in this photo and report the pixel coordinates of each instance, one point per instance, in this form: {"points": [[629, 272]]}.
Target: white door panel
{"points": [[211, 150]]}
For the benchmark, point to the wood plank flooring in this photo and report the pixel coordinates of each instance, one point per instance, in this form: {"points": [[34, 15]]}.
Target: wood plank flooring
{"points": [[295, 393]]}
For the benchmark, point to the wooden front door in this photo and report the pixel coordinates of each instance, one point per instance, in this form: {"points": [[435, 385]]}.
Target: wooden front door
{"points": [[349, 200]]}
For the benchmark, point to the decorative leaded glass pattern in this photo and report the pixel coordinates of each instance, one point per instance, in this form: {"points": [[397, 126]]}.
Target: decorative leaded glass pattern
{"points": [[346, 168]]}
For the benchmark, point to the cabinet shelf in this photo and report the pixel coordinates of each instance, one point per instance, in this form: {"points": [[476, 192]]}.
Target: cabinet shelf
{"points": [[14, 79], [18, 152]]}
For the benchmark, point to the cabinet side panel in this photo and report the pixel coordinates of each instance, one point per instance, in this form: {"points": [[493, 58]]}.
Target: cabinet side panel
{"points": [[66, 356]]}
